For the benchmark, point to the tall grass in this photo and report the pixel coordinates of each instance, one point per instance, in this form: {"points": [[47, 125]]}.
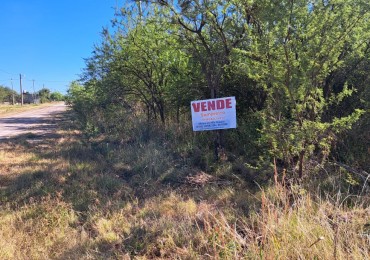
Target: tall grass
{"points": [[65, 197]]}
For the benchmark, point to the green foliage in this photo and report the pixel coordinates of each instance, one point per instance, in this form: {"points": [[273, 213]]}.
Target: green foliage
{"points": [[82, 100], [57, 96], [296, 47], [44, 95], [6, 94], [298, 70]]}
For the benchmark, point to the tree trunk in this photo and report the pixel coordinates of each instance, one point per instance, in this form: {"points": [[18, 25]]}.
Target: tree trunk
{"points": [[301, 164]]}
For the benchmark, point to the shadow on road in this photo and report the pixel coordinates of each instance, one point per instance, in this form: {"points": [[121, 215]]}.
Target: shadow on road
{"points": [[24, 120], [18, 127]]}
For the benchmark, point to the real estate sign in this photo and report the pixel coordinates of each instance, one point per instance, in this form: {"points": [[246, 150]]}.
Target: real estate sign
{"points": [[213, 114]]}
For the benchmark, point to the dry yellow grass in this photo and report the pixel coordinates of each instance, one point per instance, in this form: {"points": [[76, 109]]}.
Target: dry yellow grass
{"points": [[64, 199]]}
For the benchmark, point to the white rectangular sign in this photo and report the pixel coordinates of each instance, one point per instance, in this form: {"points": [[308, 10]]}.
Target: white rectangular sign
{"points": [[213, 114]]}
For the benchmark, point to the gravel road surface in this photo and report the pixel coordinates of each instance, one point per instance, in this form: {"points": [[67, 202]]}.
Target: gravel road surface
{"points": [[36, 121]]}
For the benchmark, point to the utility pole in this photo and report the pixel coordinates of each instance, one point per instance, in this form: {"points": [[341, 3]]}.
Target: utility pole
{"points": [[140, 11], [33, 86], [13, 101], [20, 85]]}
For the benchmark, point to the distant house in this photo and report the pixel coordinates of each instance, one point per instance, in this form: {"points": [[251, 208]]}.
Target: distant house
{"points": [[29, 98]]}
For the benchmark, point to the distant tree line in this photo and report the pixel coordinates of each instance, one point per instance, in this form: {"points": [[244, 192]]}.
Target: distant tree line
{"points": [[6, 95], [298, 70], [44, 95]]}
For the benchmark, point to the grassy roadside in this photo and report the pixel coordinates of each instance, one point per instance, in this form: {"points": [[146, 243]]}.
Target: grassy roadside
{"points": [[63, 197], [8, 110]]}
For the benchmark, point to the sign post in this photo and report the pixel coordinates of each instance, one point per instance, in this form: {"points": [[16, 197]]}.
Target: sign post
{"points": [[213, 114]]}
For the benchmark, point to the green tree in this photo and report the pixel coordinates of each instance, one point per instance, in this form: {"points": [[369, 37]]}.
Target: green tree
{"points": [[291, 64], [6, 94], [44, 95], [208, 30], [297, 46], [148, 57], [143, 66], [57, 96]]}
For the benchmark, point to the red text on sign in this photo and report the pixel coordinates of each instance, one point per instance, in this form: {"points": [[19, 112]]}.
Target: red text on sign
{"points": [[212, 105]]}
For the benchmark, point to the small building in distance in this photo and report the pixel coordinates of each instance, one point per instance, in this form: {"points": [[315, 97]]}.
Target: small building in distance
{"points": [[29, 98]]}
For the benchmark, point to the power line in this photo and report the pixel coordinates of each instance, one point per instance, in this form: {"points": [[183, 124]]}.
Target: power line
{"points": [[55, 81], [24, 76], [7, 72], [51, 81]]}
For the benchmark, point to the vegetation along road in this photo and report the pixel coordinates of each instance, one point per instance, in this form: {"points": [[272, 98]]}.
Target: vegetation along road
{"points": [[122, 174], [36, 121]]}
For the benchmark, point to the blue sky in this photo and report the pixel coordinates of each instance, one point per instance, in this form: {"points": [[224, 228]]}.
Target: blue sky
{"points": [[46, 40]]}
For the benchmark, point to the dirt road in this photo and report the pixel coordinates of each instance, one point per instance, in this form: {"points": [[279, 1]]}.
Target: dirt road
{"points": [[35, 121]]}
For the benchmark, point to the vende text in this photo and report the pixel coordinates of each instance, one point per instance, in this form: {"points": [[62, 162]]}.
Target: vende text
{"points": [[212, 105], [213, 114]]}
